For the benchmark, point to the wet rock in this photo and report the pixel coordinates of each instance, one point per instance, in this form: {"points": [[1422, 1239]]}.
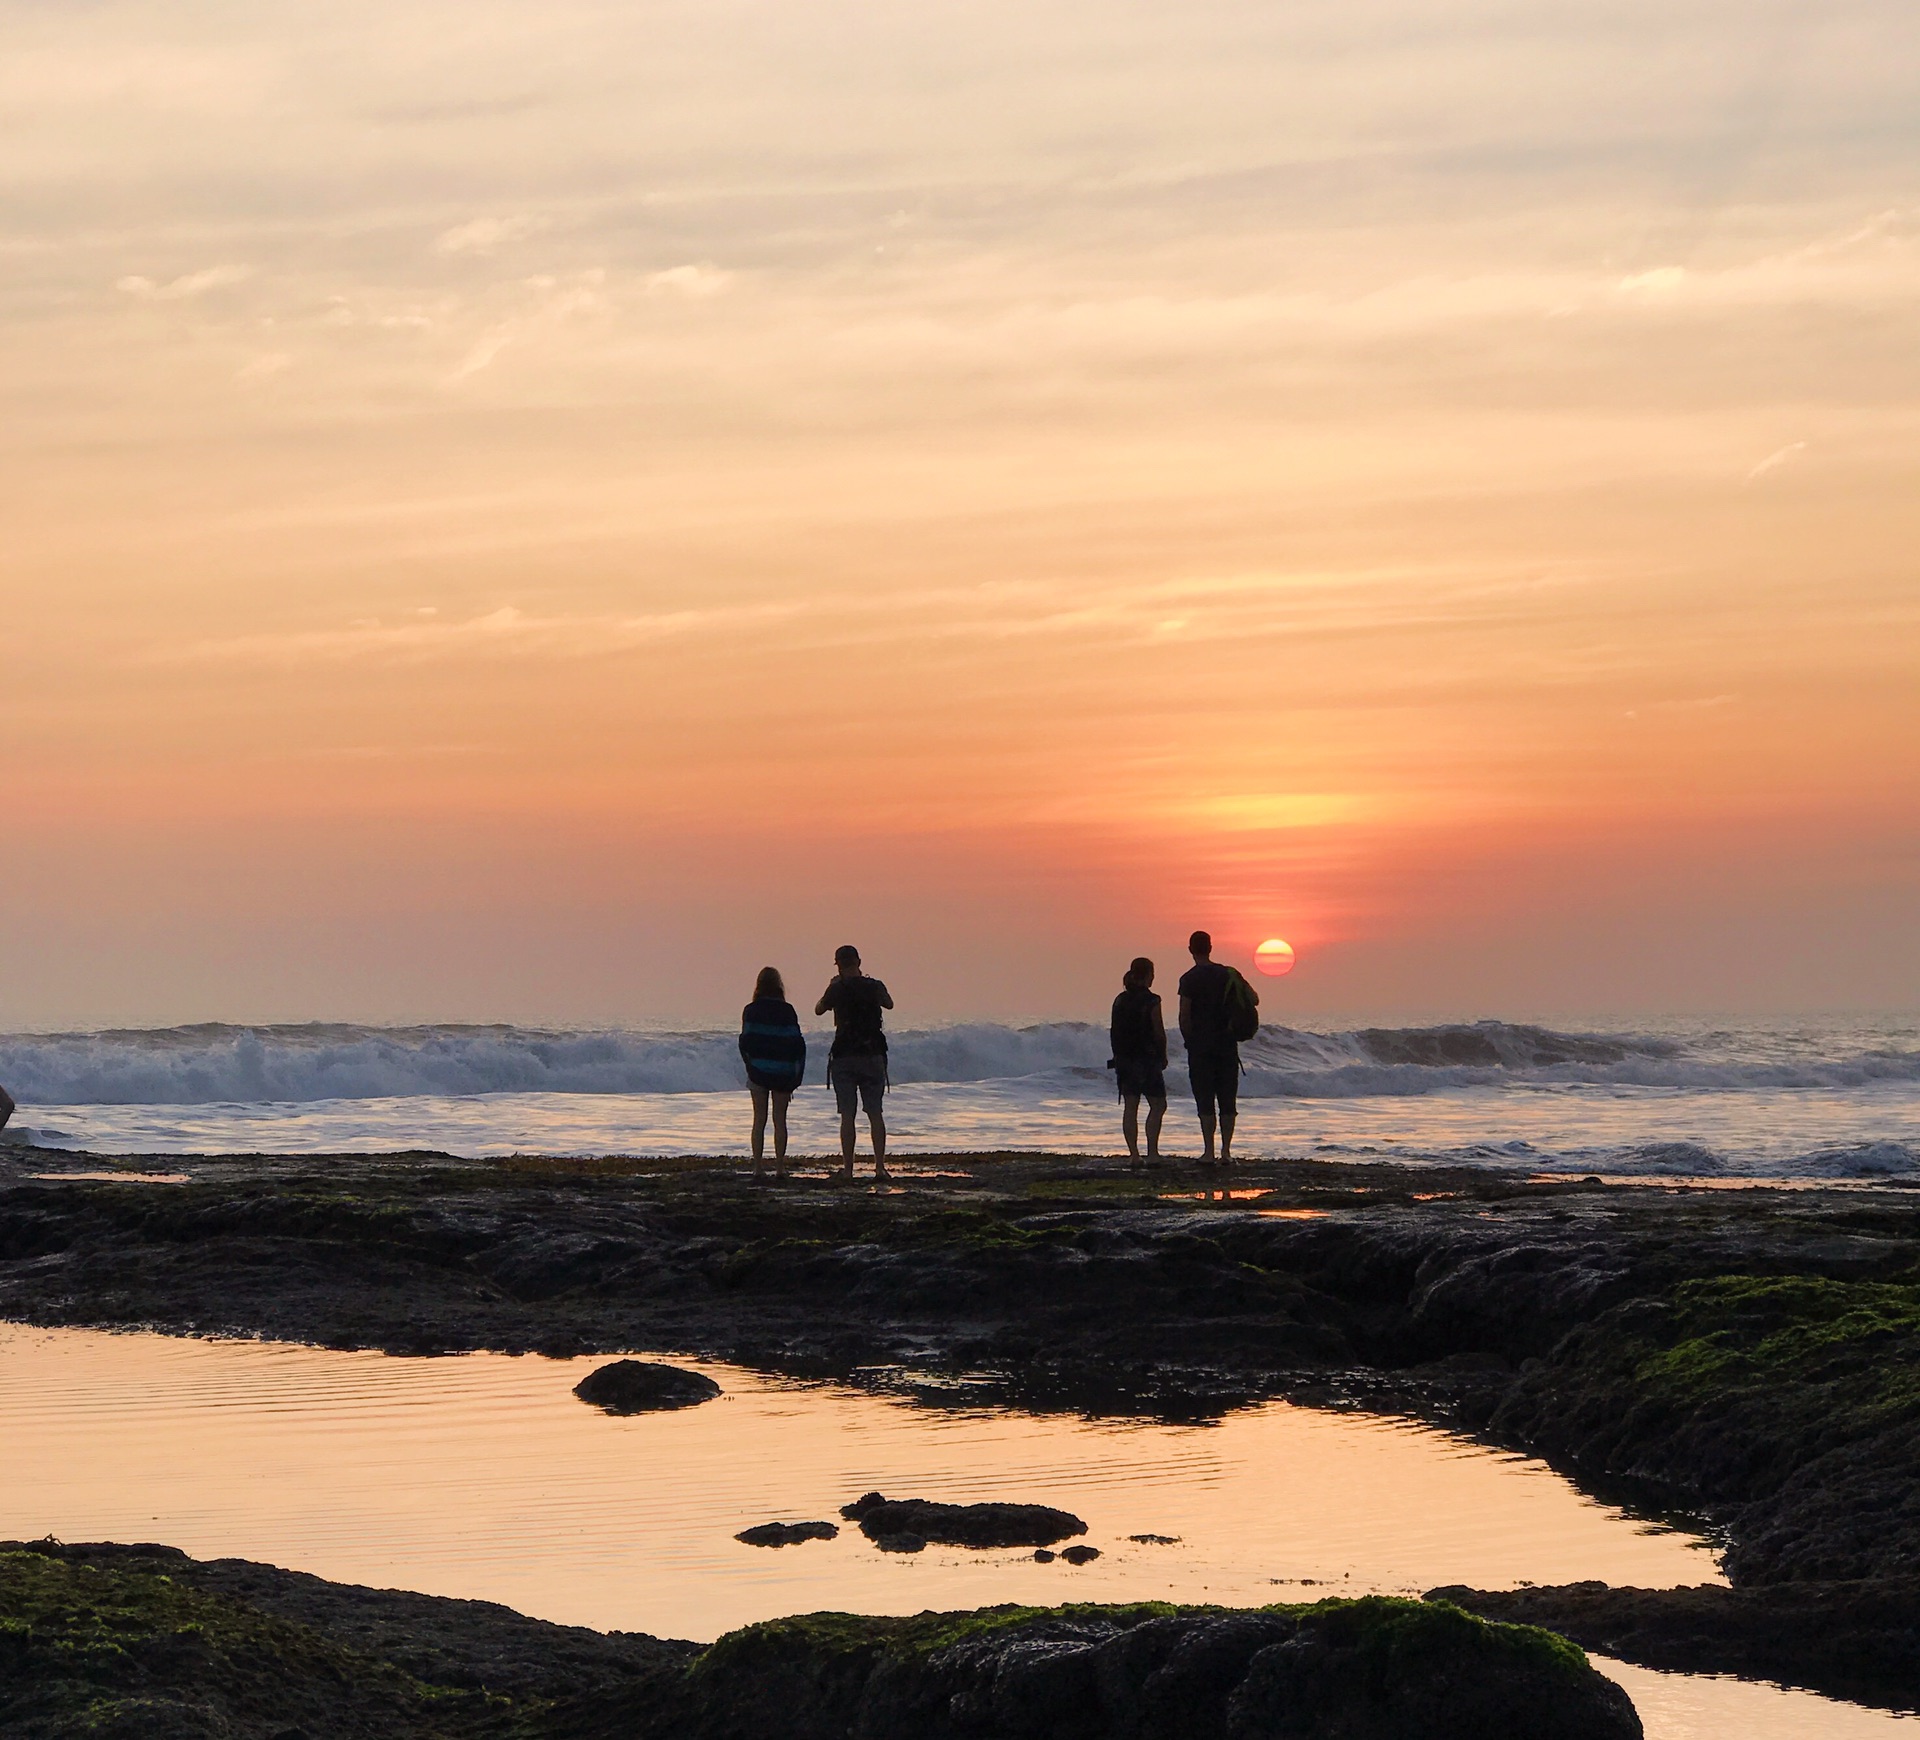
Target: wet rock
{"points": [[1375, 1669], [1858, 1640], [1044, 1555], [1156, 1540], [962, 1525], [137, 1644], [900, 1541], [639, 1386], [783, 1534], [1079, 1555]]}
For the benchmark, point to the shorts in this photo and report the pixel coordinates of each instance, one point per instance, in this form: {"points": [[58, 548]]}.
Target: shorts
{"points": [[1144, 1081], [859, 1080], [1215, 1076]]}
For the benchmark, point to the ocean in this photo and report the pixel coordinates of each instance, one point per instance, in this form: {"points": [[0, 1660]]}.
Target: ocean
{"points": [[1827, 1098]]}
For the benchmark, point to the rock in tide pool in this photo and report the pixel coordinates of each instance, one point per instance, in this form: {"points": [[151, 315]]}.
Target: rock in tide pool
{"points": [[639, 1386], [779, 1534], [960, 1525], [1079, 1555]]}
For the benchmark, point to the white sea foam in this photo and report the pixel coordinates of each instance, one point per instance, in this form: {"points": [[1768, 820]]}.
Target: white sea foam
{"points": [[1835, 1099], [218, 1064], [223, 1064]]}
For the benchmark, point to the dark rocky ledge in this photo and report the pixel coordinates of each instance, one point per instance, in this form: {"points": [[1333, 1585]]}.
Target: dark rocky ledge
{"points": [[1849, 1640], [143, 1643], [1744, 1356]]}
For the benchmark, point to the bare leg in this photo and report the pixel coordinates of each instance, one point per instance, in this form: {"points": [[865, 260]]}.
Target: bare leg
{"points": [[1156, 1116], [780, 1130], [759, 1126], [877, 1122], [1206, 1136], [1227, 1117], [1130, 1124], [846, 1142]]}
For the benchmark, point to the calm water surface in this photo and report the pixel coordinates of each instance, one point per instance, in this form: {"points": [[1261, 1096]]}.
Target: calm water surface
{"points": [[481, 1475]]}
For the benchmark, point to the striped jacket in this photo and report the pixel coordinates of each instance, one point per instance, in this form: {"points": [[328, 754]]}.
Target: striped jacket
{"points": [[771, 1045]]}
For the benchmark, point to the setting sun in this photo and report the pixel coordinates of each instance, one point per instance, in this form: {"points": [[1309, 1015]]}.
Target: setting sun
{"points": [[1274, 957]]}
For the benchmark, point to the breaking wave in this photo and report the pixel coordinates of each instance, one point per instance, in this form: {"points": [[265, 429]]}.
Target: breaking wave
{"points": [[220, 1064]]}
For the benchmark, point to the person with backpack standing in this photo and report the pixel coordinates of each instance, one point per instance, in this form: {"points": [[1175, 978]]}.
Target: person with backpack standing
{"points": [[857, 1062], [1138, 1036], [1218, 1009]]}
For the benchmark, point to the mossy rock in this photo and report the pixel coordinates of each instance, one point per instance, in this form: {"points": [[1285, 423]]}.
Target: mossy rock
{"points": [[106, 1650], [1372, 1669]]}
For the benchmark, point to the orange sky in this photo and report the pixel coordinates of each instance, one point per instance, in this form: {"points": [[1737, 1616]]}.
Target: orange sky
{"points": [[525, 512]]}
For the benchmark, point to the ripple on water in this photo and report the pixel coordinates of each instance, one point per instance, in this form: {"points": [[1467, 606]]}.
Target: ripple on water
{"points": [[481, 1475]]}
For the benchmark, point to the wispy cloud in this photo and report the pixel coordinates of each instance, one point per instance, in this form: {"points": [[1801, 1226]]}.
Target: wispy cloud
{"points": [[189, 284], [549, 301], [1773, 461], [696, 282], [483, 235], [505, 632], [1228, 608]]}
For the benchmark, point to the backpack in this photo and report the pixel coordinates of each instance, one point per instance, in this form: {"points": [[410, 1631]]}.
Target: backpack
{"points": [[1241, 1006]]}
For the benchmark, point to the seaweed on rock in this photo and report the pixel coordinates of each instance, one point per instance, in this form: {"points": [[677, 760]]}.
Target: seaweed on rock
{"points": [[143, 1643], [1372, 1669]]}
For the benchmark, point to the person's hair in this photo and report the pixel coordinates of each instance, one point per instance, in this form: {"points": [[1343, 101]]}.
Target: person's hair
{"points": [[1138, 974], [846, 955], [770, 984], [1200, 943]]}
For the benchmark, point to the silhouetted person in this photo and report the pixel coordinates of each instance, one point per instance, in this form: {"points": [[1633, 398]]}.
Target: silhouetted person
{"points": [[7, 1107], [1213, 1058], [775, 1052], [857, 1064], [1138, 1034]]}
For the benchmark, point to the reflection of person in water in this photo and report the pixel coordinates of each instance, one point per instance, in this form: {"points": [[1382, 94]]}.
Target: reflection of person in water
{"points": [[7, 1107], [1139, 1037], [775, 1052]]}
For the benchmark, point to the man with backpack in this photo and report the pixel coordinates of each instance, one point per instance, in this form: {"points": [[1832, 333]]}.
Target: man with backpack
{"points": [[1218, 1009], [857, 1064]]}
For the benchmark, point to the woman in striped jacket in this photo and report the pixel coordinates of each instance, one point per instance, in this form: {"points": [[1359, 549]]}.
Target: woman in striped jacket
{"points": [[775, 1052]]}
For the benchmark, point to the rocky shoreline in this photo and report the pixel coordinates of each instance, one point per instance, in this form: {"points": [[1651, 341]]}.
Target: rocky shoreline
{"points": [[143, 1643], [1744, 1356]]}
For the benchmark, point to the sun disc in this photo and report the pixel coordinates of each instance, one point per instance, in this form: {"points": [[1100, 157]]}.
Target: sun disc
{"points": [[1274, 957]]}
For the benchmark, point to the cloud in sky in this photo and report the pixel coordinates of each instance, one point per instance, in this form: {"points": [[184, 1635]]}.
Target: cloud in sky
{"points": [[187, 284], [1774, 460], [485, 235]]}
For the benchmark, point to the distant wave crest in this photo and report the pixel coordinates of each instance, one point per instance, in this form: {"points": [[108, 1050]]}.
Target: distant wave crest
{"points": [[220, 1064]]}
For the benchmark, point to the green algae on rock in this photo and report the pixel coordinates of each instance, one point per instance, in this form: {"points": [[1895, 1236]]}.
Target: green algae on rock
{"points": [[1793, 1400], [1371, 1669], [143, 1643], [122, 1649]]}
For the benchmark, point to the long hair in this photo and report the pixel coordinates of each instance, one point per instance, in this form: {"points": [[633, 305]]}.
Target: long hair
{"points": [[770, 984], [1138, 974]]}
